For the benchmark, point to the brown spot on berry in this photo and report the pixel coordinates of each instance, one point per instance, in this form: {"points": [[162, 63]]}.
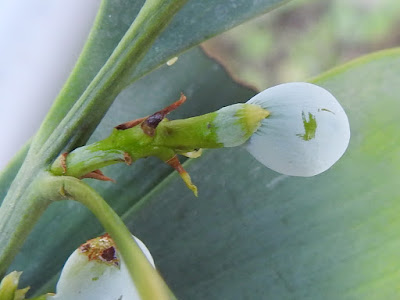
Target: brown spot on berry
{"points": [[101, 249], [108, 254]]}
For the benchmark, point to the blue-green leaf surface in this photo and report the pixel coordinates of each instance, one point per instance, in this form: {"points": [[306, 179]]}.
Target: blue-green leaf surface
{"points": [[256, 234], [207, 87]]}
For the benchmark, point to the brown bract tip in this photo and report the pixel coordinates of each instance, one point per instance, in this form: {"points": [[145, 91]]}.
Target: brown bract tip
{"points": [[63, 162], [150, 124], [97, 174], [174, 162], [127, 158], [130, 124]]}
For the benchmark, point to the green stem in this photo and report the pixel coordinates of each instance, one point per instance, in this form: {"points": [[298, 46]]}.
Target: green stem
{"points": [[149, 283], [227, 127], [17, 219], [8, 174], [129, 145]]}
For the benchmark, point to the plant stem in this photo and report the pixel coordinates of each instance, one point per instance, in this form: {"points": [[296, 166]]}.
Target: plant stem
{"points": [[8, 174], [17, 219], [149, 283], [234, 123], [171, 137]]}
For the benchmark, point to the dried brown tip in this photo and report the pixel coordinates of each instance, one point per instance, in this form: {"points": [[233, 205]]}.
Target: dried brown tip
{"points": [[130, 124], [174, 162], [150, 124], [174, 105], [97, 174], [127, 158], [63, 162]]}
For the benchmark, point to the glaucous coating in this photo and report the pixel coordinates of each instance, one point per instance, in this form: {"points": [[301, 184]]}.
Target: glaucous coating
{"points": [[306, 132], [86, 277]]}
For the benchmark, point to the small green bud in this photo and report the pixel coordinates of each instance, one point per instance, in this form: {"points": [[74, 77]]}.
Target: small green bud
{"points": [[9, 287]]}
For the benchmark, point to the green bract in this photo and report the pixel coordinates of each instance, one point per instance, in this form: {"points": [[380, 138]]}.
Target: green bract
{"points": [[306, 133], [9, 287]]}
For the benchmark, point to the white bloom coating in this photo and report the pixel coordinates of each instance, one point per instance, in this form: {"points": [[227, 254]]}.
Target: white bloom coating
{"points": [[230, 131], [306, 132], [84, 279]]}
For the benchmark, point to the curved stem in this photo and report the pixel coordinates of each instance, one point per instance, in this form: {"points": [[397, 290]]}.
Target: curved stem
{"points": [[17, 218], [149, 283]]}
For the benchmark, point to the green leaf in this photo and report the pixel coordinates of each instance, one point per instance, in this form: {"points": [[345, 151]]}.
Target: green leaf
{"points": [[254, 233], [65, 225]]}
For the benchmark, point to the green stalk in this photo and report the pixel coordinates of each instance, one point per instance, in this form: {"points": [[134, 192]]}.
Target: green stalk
{"points": [[17, 218], [234, 123], [171, 137], [149, 283], [8, 174]]}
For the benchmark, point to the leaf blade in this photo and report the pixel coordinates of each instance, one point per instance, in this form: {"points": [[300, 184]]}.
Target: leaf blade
{"points": [[257, 234], [332, 236]]}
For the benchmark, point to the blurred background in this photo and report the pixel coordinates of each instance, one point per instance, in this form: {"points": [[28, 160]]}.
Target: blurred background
{"points": [[304, 38], [41, 41]]}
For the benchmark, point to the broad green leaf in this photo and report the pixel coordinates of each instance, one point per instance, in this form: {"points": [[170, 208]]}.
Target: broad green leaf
{"points": [[255, 234], [259, 235], [67, 224]]}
